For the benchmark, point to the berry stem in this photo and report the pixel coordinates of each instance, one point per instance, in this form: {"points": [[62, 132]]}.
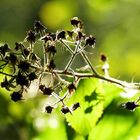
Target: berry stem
{"points": [[72, 56]]}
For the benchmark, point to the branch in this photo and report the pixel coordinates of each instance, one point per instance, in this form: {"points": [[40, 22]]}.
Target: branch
{"points": [[88, 62], [72, 57], [108, 79]]}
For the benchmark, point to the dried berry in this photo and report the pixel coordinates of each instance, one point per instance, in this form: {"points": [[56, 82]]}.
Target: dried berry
{"points": [[90, 41], [51, 49], [21, 80], [12, 58], [71, 87], [48, 109], [7, 84], [65, 110], [32, 76], [34, 58], [26, 52], [70, 33], [31, 36], [3, 49], [80, 36], [39, 27], [61, 35], [53, 36], [16, 96], [76, 22], [46, 38], [18, 46], [24, 65], [130, 105], [47, 91], [75, 106], [51, 66], [41, 87], [103, 57]]}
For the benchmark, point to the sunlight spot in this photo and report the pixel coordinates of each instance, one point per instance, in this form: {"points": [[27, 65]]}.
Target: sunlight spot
{"points": [[129, 93], [33, 89], [53, 122], [40, 123]]}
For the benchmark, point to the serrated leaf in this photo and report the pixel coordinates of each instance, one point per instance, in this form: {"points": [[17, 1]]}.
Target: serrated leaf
{"points": [[110, 92], [91, 101], [117, 126]]}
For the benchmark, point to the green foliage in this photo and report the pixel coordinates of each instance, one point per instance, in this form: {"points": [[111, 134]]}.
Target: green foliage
{"points": [[100, 116], [91, 101], [94, 96]]}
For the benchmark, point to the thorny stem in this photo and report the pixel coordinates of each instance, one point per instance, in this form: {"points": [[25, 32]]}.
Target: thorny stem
{"points": [[98, 76], [59, 73], [108, 79]]}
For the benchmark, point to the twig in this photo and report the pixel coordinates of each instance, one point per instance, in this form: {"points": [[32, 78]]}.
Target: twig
{"points": [[67, 46], [72, 57], [88, 62], [7, 74], [108, 79]]}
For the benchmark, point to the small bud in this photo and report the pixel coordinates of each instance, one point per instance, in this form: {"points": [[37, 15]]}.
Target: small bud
{"points": [[65, 110], [48, 109]]}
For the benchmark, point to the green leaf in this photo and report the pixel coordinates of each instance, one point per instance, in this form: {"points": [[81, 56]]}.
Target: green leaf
{"points": [[110, 92], [116, 126], [91, 101]]}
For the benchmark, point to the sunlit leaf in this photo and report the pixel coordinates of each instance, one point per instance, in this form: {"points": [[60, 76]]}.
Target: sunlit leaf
{"points": [[116, 126], [91, 101]]}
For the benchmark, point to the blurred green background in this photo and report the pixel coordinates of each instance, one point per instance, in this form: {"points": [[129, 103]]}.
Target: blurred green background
{"points": [[114, 23]]}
